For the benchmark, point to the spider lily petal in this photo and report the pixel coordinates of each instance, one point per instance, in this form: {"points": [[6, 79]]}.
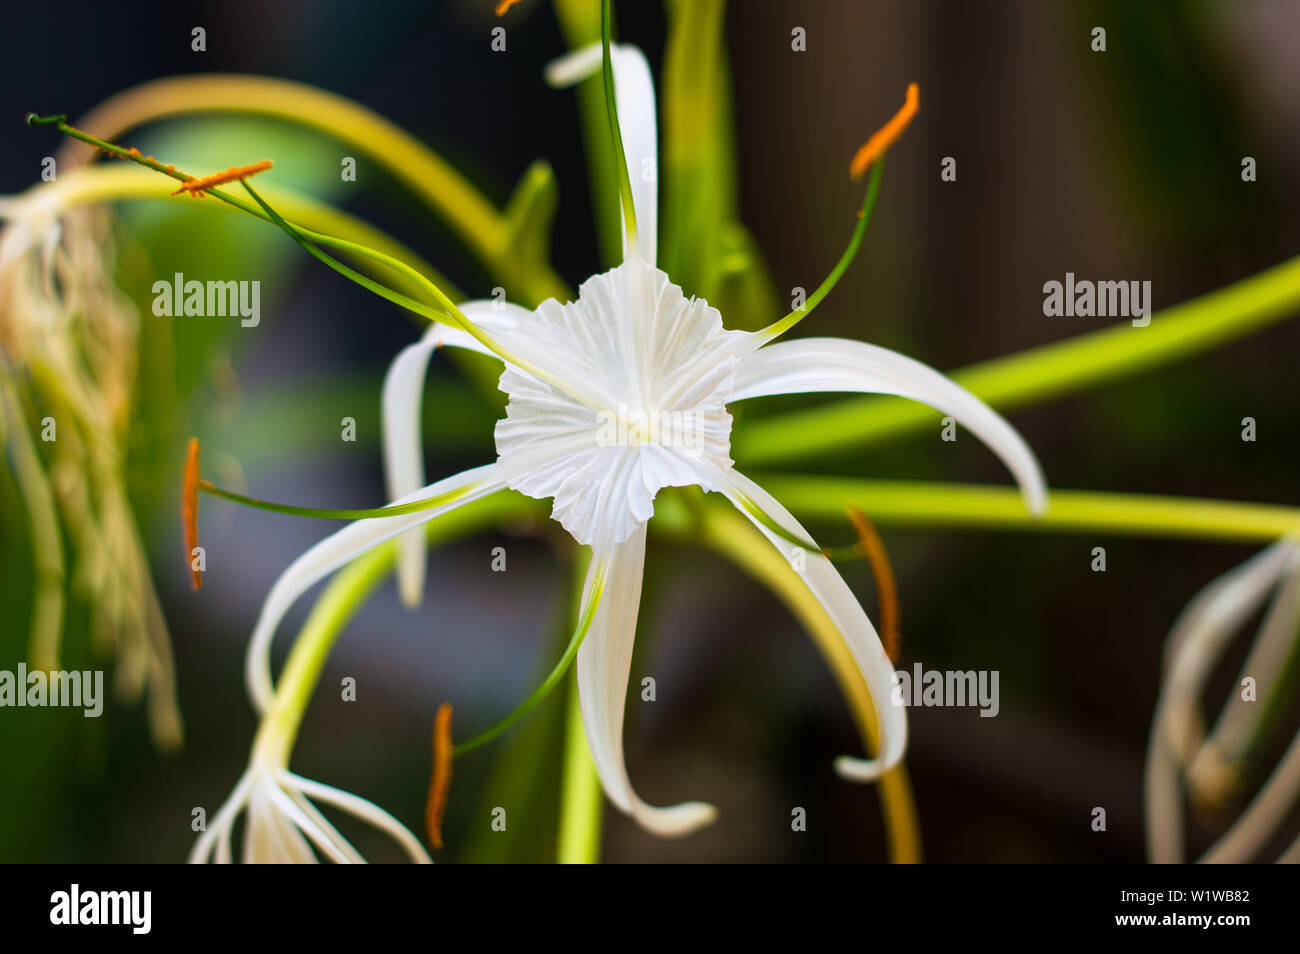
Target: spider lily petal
{"points": [[634, 93], [344, 545], [845, 612], [838, 364], [402, 401], [604, 662]]}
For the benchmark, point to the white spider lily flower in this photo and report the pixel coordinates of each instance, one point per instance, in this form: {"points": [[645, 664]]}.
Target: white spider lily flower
{"points": [[1178, 743], [282, 826], [646, 377]]}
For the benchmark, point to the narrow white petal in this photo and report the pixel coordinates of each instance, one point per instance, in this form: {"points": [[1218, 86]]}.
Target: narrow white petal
{"points": [[567, 70], [402, 402], [404, 452], [825, 583], [339, 548], [351, 855], [838, 364], [225, 855], [271, 837], [1193, 648], [221, 823], [634, 93], [604, 662], [365, 810], [305, 826]]}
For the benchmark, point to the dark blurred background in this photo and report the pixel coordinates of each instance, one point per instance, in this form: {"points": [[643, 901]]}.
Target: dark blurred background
{"points": [[1122, 165]]}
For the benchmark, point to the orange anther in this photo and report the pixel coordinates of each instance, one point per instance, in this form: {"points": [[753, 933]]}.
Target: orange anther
{"points": [[190, 509], [503, 6], [887, 134], [440, 783], [196, 187], [873, 548]]}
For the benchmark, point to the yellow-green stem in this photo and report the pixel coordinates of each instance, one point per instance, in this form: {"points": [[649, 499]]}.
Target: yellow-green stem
{"points": [[474, 219], [582, 800], [1002, 508], [1039, 374]]}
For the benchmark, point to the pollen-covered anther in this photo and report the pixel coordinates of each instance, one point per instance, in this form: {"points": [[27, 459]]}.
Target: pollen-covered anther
{"points": [[440, 783], [873, 548], [197, 187], [504, 6], [190, 510], [886, 135]]}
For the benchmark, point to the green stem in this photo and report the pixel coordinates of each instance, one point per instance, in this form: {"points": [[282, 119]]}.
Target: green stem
{"points": [[453, 315], [304, 236], [1002, 508], [396, 510], [846, 259], [308, 239], [1038, 374], [616, 134], [581, 797], [580, 23], [553, 678], [489, 233], [103, 183]]}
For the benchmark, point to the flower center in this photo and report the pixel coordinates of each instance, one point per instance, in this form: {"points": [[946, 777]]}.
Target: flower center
{"points": [[659, 369]]}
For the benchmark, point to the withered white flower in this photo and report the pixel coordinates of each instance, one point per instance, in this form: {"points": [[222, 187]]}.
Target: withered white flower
{"points": [[1180, 752], [282, 825], [68, 360], [634, 352]]}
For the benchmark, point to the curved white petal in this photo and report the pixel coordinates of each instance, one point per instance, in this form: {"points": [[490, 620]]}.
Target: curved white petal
{"points": [[303, 825], [219, 827], [845, 612], [323, 824], [339, 548], [838, 364], [634, 93], [402, 401], [604, 662], [367, 811], [1194, 646]]}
